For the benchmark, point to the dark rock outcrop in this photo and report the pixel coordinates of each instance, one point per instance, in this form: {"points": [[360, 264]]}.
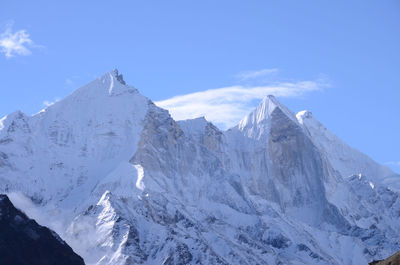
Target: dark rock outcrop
{"points": [[392, 260], [23, 241]]}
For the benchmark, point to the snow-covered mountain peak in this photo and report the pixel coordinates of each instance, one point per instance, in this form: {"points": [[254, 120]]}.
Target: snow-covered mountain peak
{"points": [[108, 84], [118, 76], [15, 121], [106, 96], [12, 116], [257, 123], [77, 140], [263, 112], [15, 115]]}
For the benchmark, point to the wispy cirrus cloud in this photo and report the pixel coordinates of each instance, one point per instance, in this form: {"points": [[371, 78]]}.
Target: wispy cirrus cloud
{"points": [[246, 75], [227, 105], [14, 43]]}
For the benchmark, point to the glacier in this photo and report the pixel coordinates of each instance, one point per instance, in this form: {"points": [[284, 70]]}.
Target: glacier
{"points": [[124, 183]]}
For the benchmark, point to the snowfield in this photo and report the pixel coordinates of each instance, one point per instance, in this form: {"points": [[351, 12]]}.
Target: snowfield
{"points": [[124, 183]]}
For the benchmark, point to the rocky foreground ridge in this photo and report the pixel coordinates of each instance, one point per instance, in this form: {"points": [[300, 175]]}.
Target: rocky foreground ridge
{"points": [[23, 241]]}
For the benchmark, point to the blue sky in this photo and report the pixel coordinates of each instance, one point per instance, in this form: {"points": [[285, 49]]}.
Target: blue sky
{"points": [[338, 59]]}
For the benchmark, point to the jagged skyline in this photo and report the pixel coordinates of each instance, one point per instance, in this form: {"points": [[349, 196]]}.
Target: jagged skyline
{"points": [[349, 51], [122, 182]]}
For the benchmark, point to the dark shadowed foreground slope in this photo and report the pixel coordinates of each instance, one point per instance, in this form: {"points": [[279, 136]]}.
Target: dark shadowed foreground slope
{"points": [[392, 260], [23, 241]]}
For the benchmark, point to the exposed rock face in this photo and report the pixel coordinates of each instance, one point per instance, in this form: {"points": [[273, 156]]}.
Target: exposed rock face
{"points": [[392, 260], [23, 241], [130, 185]]}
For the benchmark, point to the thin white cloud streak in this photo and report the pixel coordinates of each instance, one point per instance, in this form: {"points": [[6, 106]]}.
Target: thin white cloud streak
{"points": [[48, 103], [257, 74], [15, 43], [226, 106]]}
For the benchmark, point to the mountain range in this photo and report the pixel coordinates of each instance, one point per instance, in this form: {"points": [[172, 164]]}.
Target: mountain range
{"points": [[123, 183]]}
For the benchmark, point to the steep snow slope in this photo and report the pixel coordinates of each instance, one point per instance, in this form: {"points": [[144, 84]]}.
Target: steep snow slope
{"points": [[126, 184], [342, 157]]}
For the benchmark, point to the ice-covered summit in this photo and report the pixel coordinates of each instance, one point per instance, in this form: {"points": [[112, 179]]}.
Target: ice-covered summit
{"points": [[111, 83], [257, 122]]}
